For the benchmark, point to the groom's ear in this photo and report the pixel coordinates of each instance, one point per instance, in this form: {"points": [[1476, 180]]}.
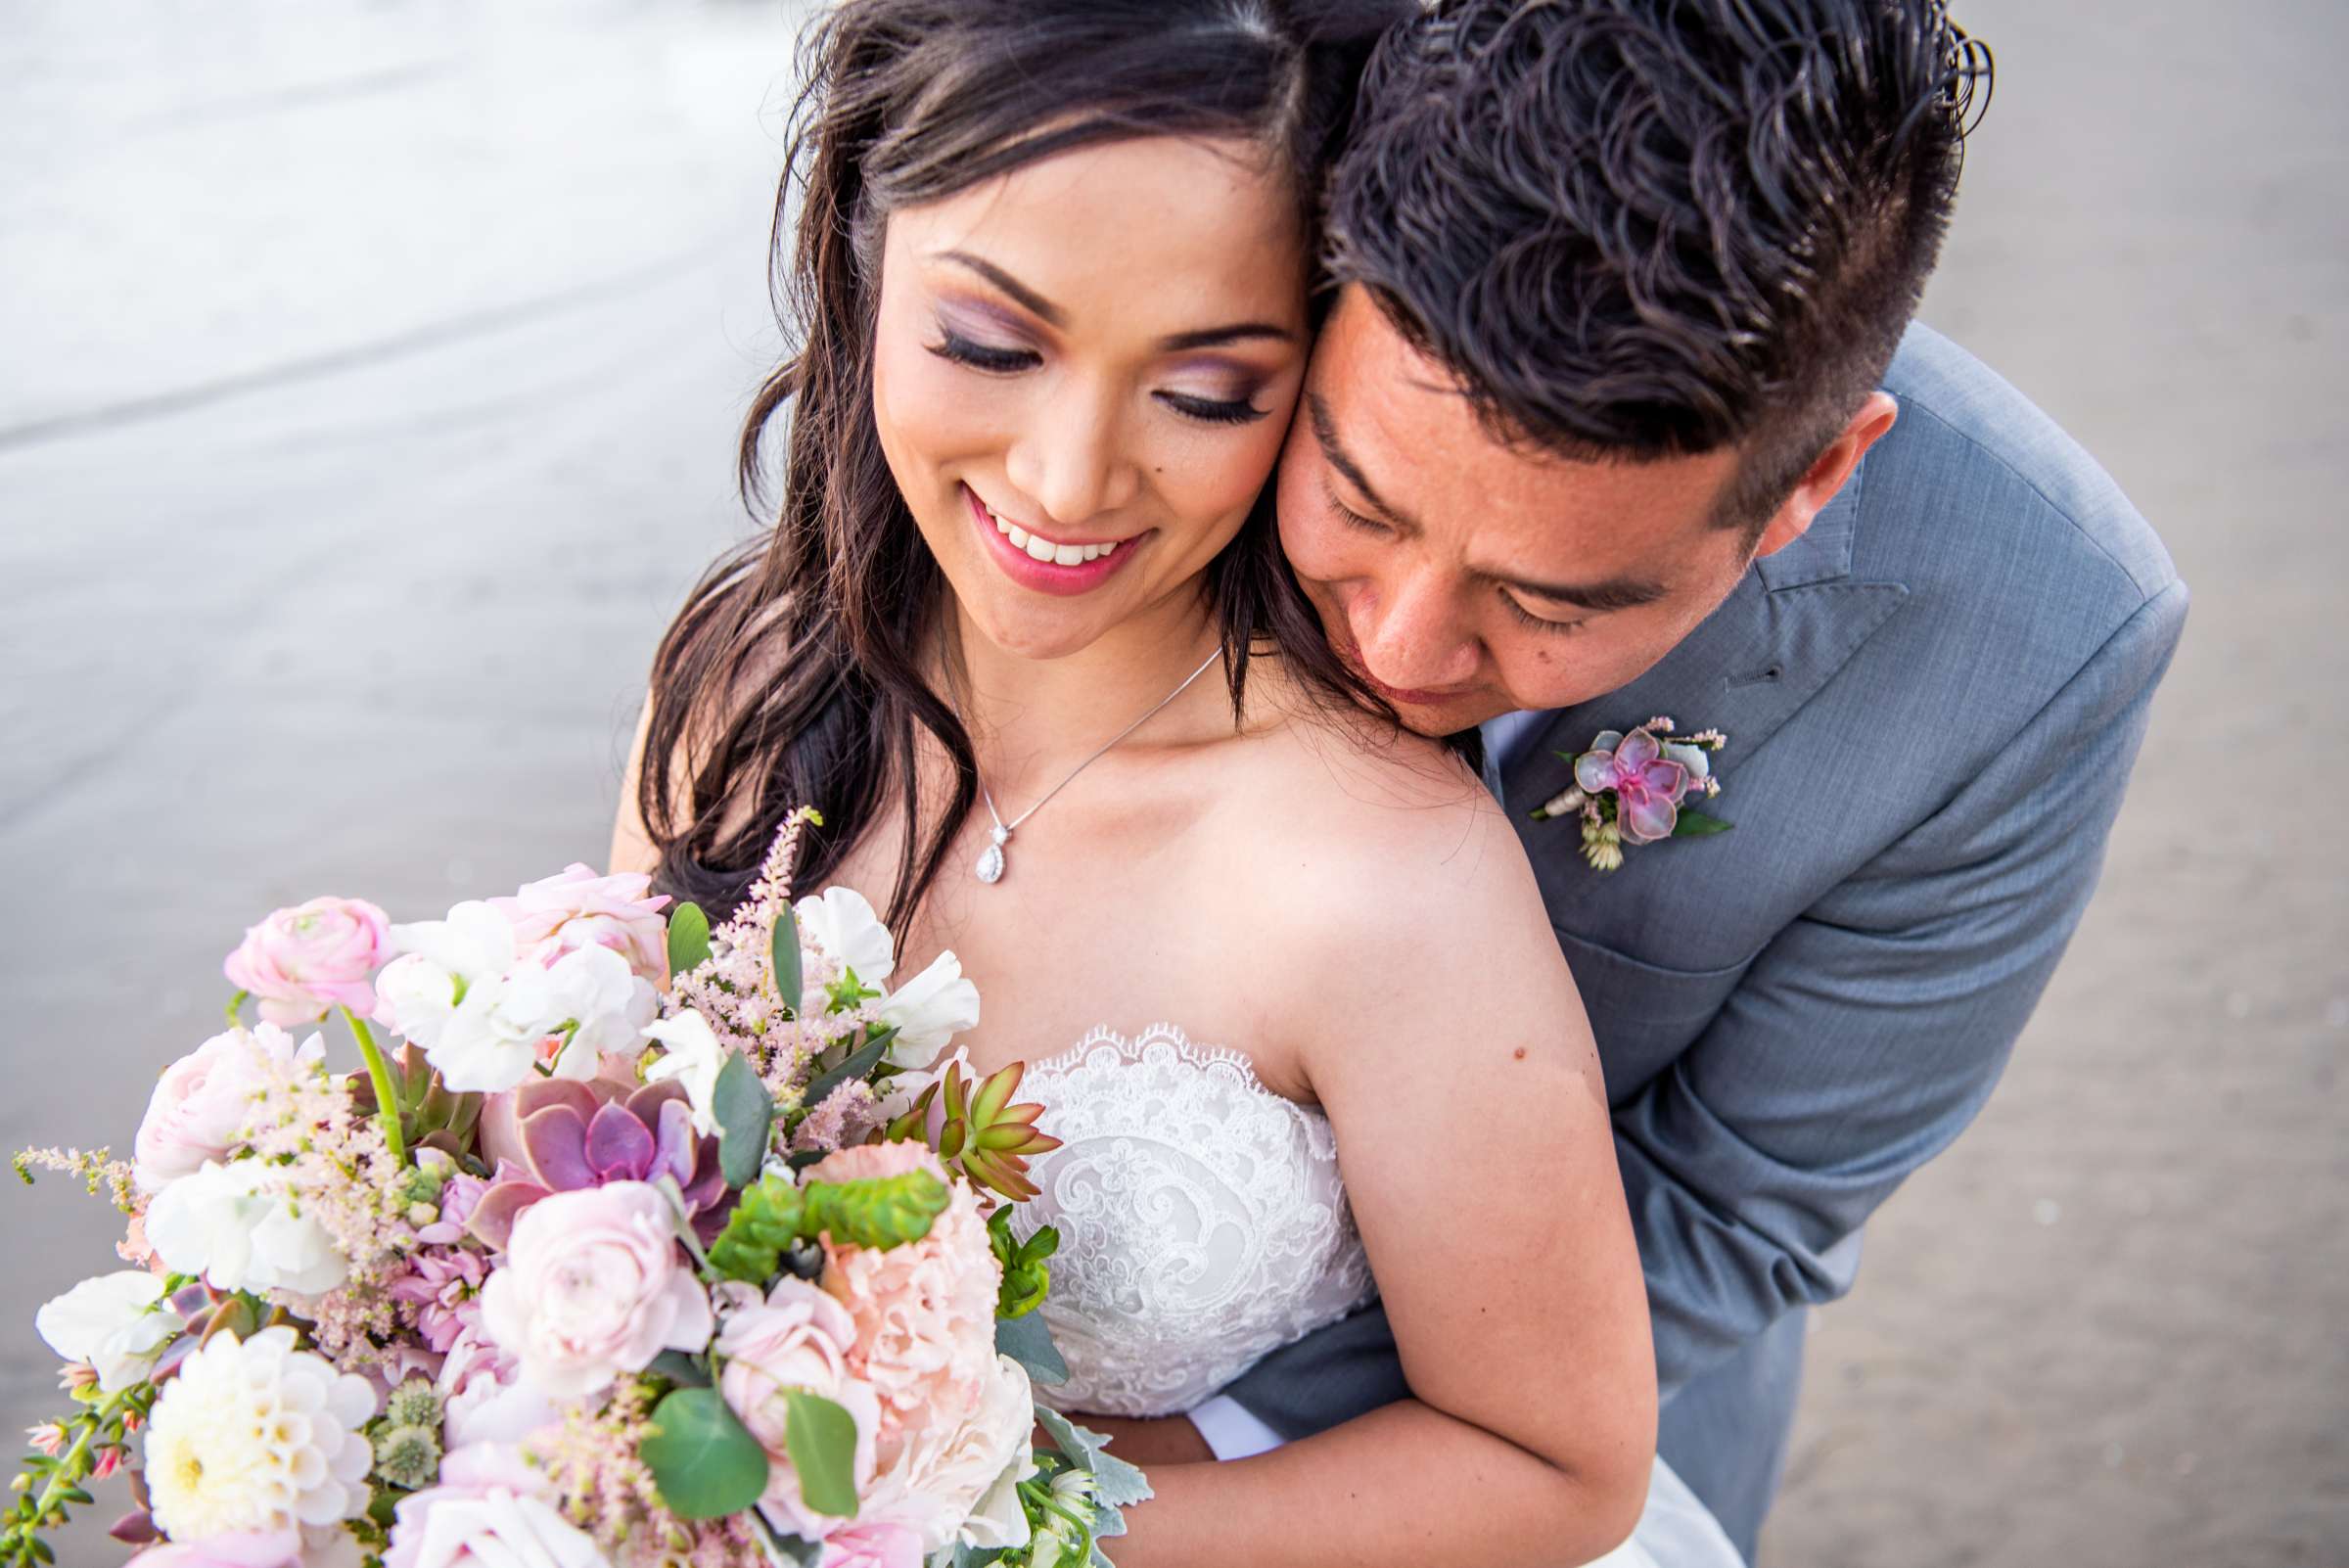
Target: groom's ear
{"points": [[1820, 482]]}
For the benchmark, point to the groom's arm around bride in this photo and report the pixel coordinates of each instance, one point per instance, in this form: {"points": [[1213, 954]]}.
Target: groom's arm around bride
{"points": [[1929, 626]]}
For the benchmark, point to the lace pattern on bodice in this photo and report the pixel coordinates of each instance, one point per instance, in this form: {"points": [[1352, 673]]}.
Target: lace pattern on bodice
{"points": [[1202, 1219]]}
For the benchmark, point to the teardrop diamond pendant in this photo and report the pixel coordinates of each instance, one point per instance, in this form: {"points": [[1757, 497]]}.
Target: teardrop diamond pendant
{"points": [[991, 860]]}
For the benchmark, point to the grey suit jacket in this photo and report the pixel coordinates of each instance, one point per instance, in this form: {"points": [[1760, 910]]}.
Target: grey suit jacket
{"points": [[1933, 699]]}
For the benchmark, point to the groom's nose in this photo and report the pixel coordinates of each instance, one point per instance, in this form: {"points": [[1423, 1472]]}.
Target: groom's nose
{"points": [[1411, 636]]}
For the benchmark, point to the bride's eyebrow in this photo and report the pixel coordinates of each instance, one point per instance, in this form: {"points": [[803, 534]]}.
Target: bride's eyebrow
{"points": [[1038, 306]]}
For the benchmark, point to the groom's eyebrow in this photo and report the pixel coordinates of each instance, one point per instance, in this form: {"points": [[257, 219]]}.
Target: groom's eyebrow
{"points": [[1038, 306], [1614, 593]]}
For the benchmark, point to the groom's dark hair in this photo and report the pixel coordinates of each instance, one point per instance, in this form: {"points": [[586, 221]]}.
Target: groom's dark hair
{"points": [[1636, 229]]}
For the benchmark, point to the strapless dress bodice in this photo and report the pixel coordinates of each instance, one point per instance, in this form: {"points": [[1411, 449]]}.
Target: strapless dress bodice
{"points": [[1202, 1218]]}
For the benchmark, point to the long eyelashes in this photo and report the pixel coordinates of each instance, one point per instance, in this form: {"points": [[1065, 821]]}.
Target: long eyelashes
{"points": [[996, 362], [980, 356], [1239, 411]]}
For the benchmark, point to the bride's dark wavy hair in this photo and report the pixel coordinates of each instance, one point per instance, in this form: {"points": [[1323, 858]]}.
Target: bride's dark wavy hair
{"points": [[796, 665]]}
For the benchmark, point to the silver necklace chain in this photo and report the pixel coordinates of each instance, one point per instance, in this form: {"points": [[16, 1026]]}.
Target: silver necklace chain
{"points": [[992, 864]]}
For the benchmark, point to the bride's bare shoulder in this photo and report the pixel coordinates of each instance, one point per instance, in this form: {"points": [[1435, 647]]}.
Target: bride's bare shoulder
{"points": [[1350, 819]]}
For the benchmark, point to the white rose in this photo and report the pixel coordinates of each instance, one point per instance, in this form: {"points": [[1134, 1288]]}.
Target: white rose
{"points": [[843, 927], [107, 1322], [948, 1483], [415, 996], [225, 1224], [594, 988], [474, 940], [199, 1104], [928, 1010], [490, 1507], [692, 1055]]}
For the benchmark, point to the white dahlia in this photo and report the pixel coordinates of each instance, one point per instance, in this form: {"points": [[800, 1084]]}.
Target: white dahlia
{"points": [[254, 1436]]}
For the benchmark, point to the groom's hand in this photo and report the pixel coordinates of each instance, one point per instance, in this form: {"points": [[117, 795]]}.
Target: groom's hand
{"points": [[1166, 1440]]}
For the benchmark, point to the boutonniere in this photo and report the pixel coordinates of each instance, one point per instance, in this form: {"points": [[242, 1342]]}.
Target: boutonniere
{"points": [[1628, 789]]}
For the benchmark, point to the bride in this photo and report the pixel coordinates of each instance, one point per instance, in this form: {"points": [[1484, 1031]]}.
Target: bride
{"points": [[1023, 634]]}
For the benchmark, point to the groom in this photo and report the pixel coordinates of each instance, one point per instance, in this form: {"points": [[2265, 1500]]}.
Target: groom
{"points": [[1620, 414]]}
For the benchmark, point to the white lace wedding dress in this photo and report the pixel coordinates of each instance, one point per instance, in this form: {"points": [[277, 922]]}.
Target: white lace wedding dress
{"points": [[1203, 1225]]}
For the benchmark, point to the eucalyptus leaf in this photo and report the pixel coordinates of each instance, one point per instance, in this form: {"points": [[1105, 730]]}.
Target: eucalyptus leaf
{"points": [[745, 1113], [856, 1065], [680, 1368], [1029, 1342], [1697, 825], [688, 938], [1116, 1483], [705, 1462], [975, 1557], [822, 1439], [785, 955]]}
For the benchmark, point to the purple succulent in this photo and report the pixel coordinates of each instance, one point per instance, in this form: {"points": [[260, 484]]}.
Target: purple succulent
{"points": [[559, 1135]]}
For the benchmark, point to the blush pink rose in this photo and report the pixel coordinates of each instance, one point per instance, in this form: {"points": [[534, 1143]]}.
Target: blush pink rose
{"points": [[872, 1545], [794, 1337], [280, 1548], [592, 1288], [925, 1312], [198, 1106], [491, 1509], [315, 956], [581, 910]]}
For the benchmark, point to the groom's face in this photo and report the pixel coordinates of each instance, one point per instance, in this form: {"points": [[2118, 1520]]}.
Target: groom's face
{"points": [[1465, 577]]}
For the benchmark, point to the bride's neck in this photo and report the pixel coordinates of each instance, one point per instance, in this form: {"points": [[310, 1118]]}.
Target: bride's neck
{"points": [[1029, 718]]}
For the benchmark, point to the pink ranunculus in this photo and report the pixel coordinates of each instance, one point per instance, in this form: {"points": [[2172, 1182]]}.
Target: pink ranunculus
{"points": [[483, 1397], [318, 956], [490, 1508], [872, 1545], [1647, 785], [794, 1337], [200, 1102], [579, 910], [593, 1287], [277, 1549], [925, 1311]]}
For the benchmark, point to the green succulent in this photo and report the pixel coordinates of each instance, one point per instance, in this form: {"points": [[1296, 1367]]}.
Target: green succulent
{"points": [[878, 1212]]}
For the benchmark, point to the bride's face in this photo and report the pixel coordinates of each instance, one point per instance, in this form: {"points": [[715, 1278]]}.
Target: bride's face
{"points": [[1082, 371]]}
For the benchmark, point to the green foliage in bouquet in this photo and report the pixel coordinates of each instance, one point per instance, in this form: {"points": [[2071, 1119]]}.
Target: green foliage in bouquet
{"points": [[704, 1459], [1027, 1276], [774, 1215], [430, 1116], [984, 1134]]}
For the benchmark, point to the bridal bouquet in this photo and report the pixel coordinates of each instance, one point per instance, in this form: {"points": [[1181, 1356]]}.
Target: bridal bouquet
{"points": [[651, 1244]]}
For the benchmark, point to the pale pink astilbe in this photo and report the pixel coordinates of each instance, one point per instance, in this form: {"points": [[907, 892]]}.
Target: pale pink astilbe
{"points": [[607, 1490], [331, 1161], [96, 1169], [845, 1117], [734, 987]]}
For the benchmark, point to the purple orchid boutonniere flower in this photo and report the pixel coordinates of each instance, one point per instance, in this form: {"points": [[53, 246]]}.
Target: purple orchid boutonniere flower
{"points": [[1629, 789]]}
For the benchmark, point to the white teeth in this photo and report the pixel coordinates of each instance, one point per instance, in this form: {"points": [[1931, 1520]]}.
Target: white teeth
{"points": [[1041, 548]]}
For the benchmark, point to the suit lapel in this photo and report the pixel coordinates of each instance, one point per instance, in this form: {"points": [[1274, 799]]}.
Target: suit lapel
{"points": [[1794, 619]]}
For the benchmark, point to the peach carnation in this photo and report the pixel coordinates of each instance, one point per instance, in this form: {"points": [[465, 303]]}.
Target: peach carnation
{"points": [[925, 1312]]}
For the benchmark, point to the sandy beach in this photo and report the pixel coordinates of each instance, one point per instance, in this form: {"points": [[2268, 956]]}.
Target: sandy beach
{"points": [[368, 401]]}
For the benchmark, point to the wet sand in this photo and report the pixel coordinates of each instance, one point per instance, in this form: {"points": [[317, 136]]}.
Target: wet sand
{"points": [[367, 402]]}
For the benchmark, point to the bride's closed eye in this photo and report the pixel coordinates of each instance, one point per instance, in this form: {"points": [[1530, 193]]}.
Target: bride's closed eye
{"points": [[995, 360]]}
